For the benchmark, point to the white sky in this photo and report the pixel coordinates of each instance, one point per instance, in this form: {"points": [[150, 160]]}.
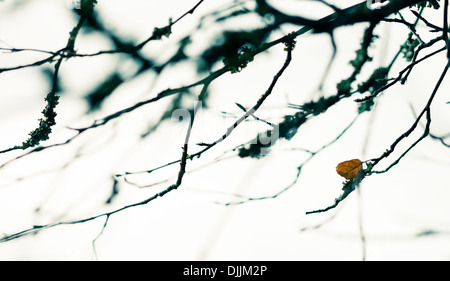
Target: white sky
{"points": [[188, 224]]}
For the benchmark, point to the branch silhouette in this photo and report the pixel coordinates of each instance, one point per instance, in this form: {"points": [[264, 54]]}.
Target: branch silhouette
{"points": [[231, 54]]}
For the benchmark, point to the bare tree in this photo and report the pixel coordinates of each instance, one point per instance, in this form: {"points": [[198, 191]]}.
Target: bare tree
{"points": [[230, 52]]}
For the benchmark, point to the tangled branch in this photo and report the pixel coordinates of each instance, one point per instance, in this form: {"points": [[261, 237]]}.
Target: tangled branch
{"points": [[234, 52]]}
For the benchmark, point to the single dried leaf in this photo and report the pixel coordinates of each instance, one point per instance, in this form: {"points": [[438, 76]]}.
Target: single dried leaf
{"points": [[349, 169]]}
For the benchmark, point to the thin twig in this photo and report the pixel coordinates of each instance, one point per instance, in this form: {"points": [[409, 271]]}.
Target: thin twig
{"points": [[172, 187], [427, 112], [236, 123], [299, 169]]}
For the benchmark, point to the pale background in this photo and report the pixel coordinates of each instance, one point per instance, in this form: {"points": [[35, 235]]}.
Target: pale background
{"points": [[189, 224]]}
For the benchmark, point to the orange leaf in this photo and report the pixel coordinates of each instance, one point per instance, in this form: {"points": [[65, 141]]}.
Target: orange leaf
{"points": [[349, 169]]}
